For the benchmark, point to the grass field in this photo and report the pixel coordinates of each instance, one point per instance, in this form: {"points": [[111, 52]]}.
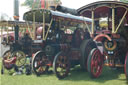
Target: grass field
{"points": [[77, 77]]}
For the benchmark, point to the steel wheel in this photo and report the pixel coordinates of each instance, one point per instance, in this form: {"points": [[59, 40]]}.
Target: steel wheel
{"points": [[39, 62], [7, 54], [85, 48], [61, 65], [20, 58], [95, 63], [126, 66]]}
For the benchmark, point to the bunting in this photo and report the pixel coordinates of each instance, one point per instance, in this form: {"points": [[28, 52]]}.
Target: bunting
{"points": [[34, 0], [42, 3]]}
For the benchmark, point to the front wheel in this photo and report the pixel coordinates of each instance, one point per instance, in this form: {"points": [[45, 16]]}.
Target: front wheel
{"points": [[61, 65], [39, 62], [95, 63], [20, 58]]}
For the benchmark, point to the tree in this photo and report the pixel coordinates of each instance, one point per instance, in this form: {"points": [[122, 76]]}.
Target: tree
{"points": [[32, 4], [4, 16], [37, 3], [126, 1]]}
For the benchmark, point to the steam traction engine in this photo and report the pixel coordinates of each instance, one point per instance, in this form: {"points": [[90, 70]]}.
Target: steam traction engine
{"points": [[22, 47], [109, 30], [61, 38]]}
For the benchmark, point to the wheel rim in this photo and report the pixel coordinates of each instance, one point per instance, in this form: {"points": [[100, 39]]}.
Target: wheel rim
{"points": [[7, 55], [20, 58], [62, 66], [39, 63], [96, 63], [88, 49], [126, 66]]}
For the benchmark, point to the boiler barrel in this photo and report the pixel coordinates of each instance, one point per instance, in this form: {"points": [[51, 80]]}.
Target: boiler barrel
{"points": [[66, 10]]}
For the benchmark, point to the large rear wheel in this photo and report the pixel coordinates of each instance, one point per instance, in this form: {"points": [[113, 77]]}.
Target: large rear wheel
{"points": [[61, 65], [85, 48], [95, 63], [126, 66], [39, 62]]}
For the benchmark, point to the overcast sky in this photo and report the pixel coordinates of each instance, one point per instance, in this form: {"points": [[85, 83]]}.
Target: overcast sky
{"points": [[6, 6]]}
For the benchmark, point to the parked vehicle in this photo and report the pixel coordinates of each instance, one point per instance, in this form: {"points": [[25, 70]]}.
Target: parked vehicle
{"points": [[109, 27], [64, 41]]}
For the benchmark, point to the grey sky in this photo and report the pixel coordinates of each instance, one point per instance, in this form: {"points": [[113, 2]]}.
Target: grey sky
{"points": [[6, 6]]}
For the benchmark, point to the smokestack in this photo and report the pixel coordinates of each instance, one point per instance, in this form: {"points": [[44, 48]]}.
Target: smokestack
{"points": [[16, 10], [16, 18]]}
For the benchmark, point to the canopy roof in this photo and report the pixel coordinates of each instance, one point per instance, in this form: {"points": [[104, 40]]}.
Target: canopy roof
{"points": [[103, 8], [29, 16]]}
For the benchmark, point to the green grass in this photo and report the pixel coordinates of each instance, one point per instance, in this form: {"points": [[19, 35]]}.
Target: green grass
{"points": [[77, 77]]}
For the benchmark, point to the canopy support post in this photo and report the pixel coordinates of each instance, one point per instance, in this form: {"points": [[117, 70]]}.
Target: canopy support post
{"points": [[92, 22], [121, 21], [113, 20], [48, 28], [33, 26], [87, 26], [29, 29], [44, 25], [7, 33]]}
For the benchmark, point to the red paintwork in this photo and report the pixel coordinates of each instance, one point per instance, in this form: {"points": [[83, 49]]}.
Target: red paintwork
{"points": [[42, 3], [12, 34], [101, 36], [96, 63], [125, 64], [102, 9], [9, 63], [116, 36]]}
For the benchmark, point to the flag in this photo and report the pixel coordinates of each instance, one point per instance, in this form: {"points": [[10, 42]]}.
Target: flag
{"points": [[42, 3], [34, 0]]}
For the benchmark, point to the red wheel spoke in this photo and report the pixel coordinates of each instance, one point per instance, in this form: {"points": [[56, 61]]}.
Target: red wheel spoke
{"points": [[96, 63]]}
